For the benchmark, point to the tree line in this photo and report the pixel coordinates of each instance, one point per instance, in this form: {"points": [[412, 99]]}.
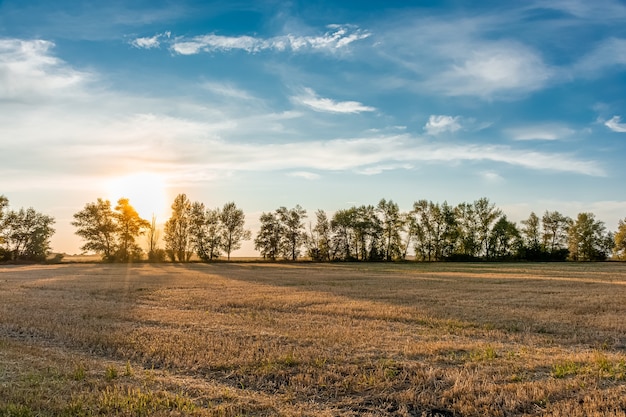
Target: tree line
{"points": [[428, 232]]}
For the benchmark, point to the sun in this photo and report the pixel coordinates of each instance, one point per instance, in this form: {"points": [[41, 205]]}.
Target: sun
{"points": [[146, 192]]}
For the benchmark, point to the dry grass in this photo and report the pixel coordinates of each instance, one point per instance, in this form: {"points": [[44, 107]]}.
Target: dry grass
{"points": [[313, 339]]}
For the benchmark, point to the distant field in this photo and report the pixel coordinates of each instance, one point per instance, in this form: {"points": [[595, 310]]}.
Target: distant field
{"points": [[255, 339]]}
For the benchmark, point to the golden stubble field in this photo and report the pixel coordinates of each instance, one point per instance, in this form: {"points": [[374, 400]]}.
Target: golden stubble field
{"points": [[255, 339]]}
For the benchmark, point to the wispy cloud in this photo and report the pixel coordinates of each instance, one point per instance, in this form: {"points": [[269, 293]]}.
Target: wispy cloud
{"points": [[615, 124], [305, 174], [337, 37], [540, 132], [150, 42], [117, 133], [438, 124], [310, 99], [28, 71]]}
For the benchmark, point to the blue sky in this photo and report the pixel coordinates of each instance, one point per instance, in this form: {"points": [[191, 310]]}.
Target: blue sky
{"points": [[323, 104]]}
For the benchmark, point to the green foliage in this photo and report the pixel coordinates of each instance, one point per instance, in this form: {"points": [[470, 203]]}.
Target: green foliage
{"points": [[25, 234], [620, 241]]}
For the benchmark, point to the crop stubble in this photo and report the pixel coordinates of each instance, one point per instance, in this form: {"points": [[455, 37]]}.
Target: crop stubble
{"points": [[313, 339]]}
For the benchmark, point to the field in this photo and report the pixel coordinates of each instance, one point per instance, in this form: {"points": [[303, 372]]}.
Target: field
{"points": [[305, 339]]}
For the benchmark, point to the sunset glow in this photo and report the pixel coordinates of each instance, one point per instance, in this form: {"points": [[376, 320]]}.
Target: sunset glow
{"points": [[145, 191]]}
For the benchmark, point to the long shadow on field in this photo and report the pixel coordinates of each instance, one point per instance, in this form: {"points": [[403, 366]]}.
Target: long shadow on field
{"points": [[565, 303]]}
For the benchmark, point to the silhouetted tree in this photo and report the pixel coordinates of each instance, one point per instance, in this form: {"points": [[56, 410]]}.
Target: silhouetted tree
{"points": [[205, 231], [268, 238], [433, 228], [233, 232], [293, 233], [555, 226], [392, 222], [320, 238], [129, 227], [177, 230], [486, 215], [342, 225], [97, 226], [155, 254], [26, 234], [505, 240]]}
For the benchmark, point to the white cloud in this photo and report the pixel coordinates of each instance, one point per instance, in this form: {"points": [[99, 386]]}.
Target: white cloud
{"points": [[493, 69], [615, 125], [609, 53], [337, 38], [540, 132], [458, 56], [226, 89], [28, 71], [150, 42], [492, 177], [438, 124], [310, 99], [305, 174]]}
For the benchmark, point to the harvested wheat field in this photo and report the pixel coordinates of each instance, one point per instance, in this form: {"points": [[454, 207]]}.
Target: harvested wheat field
{"points": [[255, 339]]}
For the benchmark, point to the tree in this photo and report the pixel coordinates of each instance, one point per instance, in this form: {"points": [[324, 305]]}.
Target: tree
{"points": [[505, 239], [392, 223], [205, 231], [466, 231], [292, 228], [320, 238], [555, 226], [367, 234], [620, 241], [532, 231], [342, 225], [233, 232], [587, 239], [26, 234], [4, 203], [96, 225], [177, 230], [433, 229], [268, 238], [129, 227], [486, 215], [155, 254]]}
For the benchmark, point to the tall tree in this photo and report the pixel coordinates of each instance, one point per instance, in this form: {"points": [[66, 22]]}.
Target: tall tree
{"points": [[486, 215], [233, 232], [177, 230], [620, 241], [97, 226], [27, 234], [433, 230], [587, 238], [555, 226], [320, 238], [293, 232], [505, 239], [4, 203], [206, 231], [129, 227], [531, 231], [367, 234], [342, 225], [467, 230], [153, 236], [392, 223], [268, 239]]}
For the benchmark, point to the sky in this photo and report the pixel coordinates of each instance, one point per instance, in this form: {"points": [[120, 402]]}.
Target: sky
{"points": [[324, 104]]}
